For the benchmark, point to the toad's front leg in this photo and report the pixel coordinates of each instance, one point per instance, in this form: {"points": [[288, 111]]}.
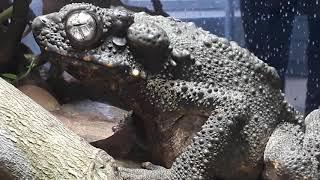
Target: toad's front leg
{"points": [[201, 158], [293, 150]]}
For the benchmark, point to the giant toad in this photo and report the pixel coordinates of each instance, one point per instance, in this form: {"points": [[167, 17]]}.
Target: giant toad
{"points": [[207, 106]]}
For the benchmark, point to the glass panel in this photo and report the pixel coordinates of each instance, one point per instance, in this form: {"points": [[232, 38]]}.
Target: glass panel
{"points": [[282, 33]]}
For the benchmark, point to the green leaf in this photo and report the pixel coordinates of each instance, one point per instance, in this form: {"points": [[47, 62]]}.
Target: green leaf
{"points": [[9, 76], [4, 15], [32, 64]]}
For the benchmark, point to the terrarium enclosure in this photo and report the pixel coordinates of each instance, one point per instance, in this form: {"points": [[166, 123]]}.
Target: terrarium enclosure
{"points": [[159, 89]]}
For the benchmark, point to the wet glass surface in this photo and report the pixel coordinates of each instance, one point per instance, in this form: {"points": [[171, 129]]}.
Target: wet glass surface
{"points": [[282, 33]]}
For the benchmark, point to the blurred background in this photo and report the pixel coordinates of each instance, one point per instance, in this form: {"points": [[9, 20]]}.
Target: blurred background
{"points": [[223, 17], [283, 24]]}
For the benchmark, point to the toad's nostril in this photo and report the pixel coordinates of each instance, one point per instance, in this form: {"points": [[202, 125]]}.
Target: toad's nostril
{"points": [[38, 23]]}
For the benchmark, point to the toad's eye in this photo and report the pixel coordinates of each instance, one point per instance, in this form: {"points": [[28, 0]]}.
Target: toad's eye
{"points": [[82, 29]]}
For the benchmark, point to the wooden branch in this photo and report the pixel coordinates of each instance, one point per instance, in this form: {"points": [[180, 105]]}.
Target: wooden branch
{"points": [[35, 145], [158, 9]]}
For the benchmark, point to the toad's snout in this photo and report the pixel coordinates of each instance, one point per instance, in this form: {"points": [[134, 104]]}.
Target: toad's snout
{"points": [[38, 24]]}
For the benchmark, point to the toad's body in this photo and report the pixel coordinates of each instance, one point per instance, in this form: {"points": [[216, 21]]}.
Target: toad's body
{"points": [[207, 105]]}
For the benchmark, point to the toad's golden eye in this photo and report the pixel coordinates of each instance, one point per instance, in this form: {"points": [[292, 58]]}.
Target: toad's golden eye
{"points": [[81, 28]]}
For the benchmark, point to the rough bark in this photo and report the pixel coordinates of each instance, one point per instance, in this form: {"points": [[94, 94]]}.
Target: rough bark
{"points": [[35, 145]]}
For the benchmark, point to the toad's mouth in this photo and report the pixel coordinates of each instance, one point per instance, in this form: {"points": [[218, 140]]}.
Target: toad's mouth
{"points": [[86, 71], [94, 81]]}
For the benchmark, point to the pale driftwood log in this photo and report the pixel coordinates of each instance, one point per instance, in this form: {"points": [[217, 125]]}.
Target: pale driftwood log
{"points": [[35, 145]]}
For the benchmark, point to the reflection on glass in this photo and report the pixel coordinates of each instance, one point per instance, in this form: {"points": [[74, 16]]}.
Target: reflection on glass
{"points": [[282, 33]]}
